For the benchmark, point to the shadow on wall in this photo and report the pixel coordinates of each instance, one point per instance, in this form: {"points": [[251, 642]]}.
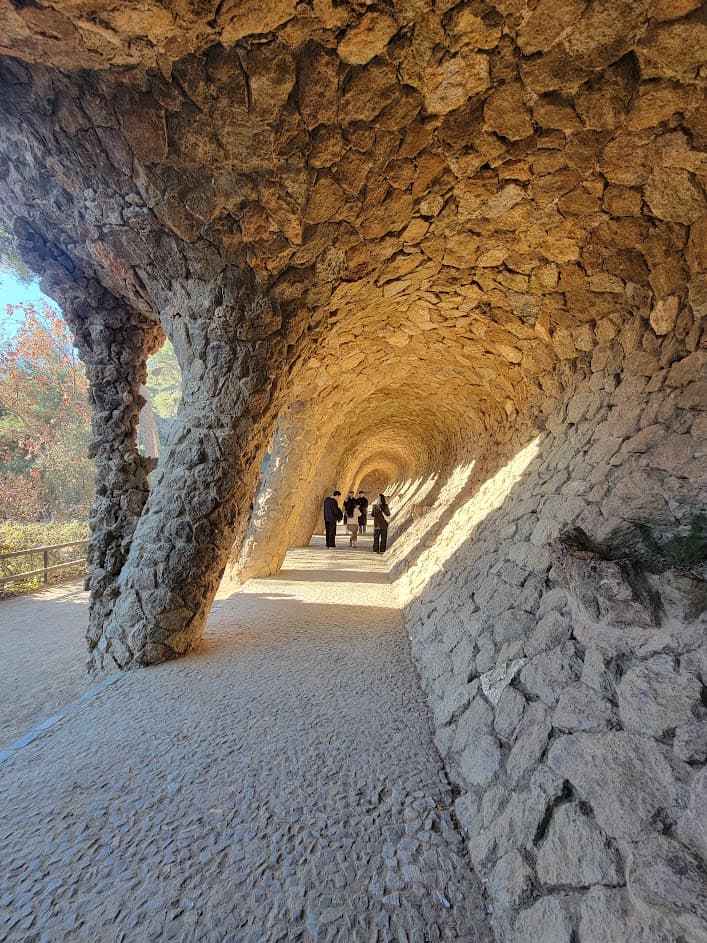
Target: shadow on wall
{"points": [[405, 497], [566, 688], [456, 505]]}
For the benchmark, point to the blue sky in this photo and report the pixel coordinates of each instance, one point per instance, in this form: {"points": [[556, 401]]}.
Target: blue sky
{"points": [[13, 292]]}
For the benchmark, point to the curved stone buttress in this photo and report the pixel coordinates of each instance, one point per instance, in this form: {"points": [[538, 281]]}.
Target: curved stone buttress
{"points": [[157, 552], [114, 343], [203, 486], [284, 484]]}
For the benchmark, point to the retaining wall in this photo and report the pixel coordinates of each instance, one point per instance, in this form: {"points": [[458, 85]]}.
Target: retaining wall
{"points": [[566, 677]]}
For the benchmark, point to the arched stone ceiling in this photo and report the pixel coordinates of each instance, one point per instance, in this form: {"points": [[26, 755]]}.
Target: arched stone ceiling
{"points": [[481, 176], [376, 474]]}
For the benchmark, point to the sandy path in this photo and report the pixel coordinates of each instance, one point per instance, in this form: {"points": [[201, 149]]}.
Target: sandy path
{"points": [[42, 656], [278, 785]]}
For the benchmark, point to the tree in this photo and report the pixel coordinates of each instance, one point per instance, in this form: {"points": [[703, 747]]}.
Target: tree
{"points": [[45, 471], [44, 418], [148, 434], [164, 381]]}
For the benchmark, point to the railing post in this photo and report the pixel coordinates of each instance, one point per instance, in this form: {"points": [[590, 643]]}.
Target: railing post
{"points": [[44, 569]]}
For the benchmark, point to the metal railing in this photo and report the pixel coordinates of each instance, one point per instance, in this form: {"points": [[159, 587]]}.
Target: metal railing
{"points": [[45, 569]]}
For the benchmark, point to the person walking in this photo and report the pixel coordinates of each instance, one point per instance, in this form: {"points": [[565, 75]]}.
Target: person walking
{"points": [[332, 516], [350, 506], [381, 517], [352, 527], [362, 511]]}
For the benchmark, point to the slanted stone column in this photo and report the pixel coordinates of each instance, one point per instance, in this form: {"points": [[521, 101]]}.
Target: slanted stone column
{"points": [[114, 343], [322, 482], [285, 482], [231, 353]]}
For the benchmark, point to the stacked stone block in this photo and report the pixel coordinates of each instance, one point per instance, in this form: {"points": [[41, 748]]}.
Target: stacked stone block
{"points": [[565, 660]]}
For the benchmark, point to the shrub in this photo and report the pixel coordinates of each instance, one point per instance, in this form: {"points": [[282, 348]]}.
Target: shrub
{"points": [[15, 535], [687, 547]]}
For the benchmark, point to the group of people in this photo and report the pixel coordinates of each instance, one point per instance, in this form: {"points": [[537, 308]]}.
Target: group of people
{"points": [[354, 515]]}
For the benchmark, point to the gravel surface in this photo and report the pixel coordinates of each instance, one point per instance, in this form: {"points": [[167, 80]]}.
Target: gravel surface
{"points": [[279, 784], [42, 656]]}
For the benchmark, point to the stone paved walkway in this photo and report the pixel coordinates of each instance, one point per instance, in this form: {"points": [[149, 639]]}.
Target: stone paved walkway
{"points": [[280, 784]]}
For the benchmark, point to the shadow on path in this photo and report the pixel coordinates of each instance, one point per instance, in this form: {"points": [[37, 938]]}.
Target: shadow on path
{"points": [[330, 576]]}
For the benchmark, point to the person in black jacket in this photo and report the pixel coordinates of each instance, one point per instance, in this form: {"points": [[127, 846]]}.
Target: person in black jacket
{"points": [[332, 516], [381, 516], [350, 506], [362, 511]]}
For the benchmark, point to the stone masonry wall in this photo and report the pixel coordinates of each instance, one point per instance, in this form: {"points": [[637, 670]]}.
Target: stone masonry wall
{"points": [[158, 553], [285, 477], [231, 353], [567, 678]]}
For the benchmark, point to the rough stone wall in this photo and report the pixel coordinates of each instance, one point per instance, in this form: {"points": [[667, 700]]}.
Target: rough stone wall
{"points": [[284, 483], [567, 680], [158, 554], [101, 326]]}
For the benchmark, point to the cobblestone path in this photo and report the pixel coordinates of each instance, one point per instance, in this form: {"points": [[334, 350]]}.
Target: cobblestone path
{"points": [[280, 784]]}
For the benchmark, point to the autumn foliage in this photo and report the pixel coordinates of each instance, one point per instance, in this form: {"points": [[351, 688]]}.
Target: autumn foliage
{"points": [[45, 471]]}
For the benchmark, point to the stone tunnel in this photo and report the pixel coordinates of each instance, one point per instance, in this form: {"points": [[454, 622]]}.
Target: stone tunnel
{"points": [[456, 250]]}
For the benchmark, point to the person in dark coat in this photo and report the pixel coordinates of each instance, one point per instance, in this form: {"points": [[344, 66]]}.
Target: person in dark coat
{"points": [[350, 506], [332, 516], [381, 516], [362, 511]]}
